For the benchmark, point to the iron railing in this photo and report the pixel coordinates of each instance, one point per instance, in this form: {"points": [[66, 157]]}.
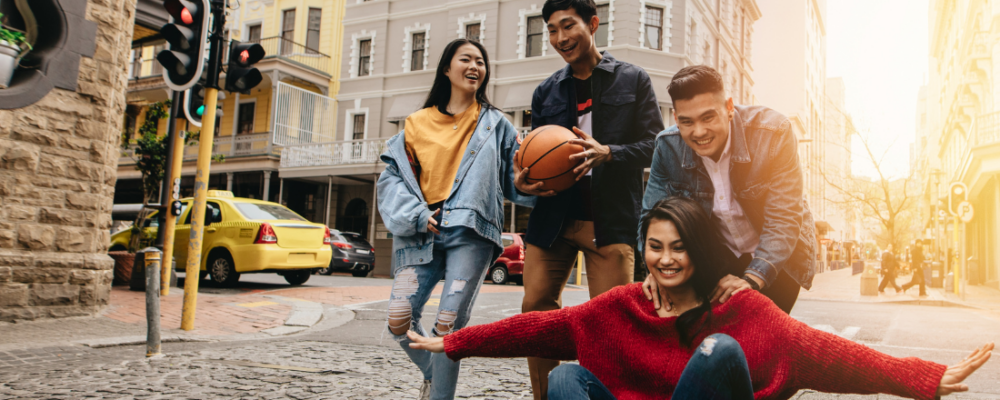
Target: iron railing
{"points": [[332, 154], [302, 117], [229, 146], [286, 49]]}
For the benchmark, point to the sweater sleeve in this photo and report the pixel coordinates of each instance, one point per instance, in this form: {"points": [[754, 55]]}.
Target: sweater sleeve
{"points": [[829, 363], [546, 334]]}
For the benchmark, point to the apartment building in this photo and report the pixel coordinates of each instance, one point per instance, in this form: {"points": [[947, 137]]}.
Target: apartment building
{"points": [[835, 160], [391, 50], [961, 110], [301, 73]]}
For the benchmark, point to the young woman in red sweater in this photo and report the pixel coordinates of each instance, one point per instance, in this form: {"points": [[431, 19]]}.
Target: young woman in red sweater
{"points": [[748, 348]]}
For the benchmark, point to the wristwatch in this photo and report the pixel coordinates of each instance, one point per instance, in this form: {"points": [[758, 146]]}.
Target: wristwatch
{"points": [[753, 283]]}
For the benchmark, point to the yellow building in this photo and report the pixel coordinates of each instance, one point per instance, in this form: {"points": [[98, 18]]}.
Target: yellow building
{"points": [[959, 127], [295, 101]]}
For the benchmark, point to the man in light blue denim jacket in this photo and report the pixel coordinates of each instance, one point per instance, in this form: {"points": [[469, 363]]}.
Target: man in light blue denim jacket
{"points": [[741, 164]]}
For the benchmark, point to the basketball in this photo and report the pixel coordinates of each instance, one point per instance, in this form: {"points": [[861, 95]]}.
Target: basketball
{"points": [[545, 152]]}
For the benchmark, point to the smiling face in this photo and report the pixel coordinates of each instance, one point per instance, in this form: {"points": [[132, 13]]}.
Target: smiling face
{"points": [[467, 70], [571, 36], [666, 257], [704, 123]]}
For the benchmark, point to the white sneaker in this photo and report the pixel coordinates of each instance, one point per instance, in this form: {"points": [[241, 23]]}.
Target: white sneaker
{"points": [[425, 390]]}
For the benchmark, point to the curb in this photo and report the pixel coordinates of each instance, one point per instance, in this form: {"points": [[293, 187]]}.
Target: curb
{"points": [[931, 303]]}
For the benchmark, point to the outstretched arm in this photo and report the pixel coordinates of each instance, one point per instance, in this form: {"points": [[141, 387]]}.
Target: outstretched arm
{"points": [[546, 334]]}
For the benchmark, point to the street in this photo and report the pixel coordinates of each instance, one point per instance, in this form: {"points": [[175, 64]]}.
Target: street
{"points": [[357, 359]]}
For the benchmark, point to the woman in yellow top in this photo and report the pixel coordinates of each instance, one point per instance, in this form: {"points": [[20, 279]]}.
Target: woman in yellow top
{"points": [[441, 196]]}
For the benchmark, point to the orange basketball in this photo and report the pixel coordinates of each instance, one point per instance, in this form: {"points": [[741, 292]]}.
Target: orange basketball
{"points": [[545, 152]]}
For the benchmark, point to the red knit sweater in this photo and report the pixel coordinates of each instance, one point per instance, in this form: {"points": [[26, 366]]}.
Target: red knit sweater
{"points": [[619, 337]]}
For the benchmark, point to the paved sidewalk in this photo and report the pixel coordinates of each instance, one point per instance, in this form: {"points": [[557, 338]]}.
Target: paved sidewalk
{"points": [[840, 285]]}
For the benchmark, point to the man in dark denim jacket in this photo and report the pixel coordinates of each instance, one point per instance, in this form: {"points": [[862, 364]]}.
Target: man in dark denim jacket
{"points": [[741, 164], [611, 105]]}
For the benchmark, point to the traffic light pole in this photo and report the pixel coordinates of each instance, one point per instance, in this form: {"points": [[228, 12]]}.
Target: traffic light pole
{"points": [[956, 265], [205, 141], [168, 221]]}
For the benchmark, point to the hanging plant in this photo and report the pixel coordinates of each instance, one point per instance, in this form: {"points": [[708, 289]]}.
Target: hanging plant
{"points": [[13, 45]]}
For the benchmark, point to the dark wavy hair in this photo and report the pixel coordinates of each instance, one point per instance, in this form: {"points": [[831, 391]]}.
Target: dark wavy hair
{"points": [[706, 250], [586, 9], [694, 80], [440, 93]]}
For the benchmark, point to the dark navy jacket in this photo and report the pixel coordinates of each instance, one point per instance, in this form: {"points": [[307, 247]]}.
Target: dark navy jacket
{"points": [[626, 117], [767, 182]]}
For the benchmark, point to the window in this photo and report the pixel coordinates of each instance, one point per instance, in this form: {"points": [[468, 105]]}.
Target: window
{"points": [[247, 111], [654, 28], [312, 33], [364, 57], [359, 126], [507, 240], [157, 67], [472, 31], [287, 31], [417, 55], [136, 63], [253, 211], [253, 33], [535, 27], [601, 38], [212, 214], [526, 118]]}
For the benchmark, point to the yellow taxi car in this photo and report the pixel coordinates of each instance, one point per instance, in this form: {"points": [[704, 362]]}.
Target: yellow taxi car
{"points": [[248, 236]]}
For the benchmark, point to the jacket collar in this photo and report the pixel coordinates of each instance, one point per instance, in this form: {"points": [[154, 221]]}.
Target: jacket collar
{"points": [[607, 64], [738, 143]]}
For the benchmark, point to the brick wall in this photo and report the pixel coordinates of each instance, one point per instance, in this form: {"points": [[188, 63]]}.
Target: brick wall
{"points": [[58, 160]]}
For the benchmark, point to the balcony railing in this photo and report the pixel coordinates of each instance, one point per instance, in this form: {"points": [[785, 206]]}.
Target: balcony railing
{"points": [[295, 52], [229, 146], [332, 154], [985, 130]]}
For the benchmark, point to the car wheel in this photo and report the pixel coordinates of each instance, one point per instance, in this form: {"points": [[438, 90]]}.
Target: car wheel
{"points": [[296, 278], [499, 275], [359, 274], [324, 271], [223, 270]]}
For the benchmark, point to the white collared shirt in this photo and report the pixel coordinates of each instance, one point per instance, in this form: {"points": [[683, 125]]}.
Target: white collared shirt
{"points": [[736, 229]]}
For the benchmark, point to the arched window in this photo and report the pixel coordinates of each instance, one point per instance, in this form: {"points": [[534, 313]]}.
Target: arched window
{"points": [[355, 217]]}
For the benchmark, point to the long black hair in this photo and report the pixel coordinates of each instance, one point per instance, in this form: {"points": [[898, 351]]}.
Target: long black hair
{"points": [[705, 248], [440, 93]]}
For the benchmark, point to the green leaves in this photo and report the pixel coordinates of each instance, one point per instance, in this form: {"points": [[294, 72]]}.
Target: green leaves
{"points": [[13, 36]]}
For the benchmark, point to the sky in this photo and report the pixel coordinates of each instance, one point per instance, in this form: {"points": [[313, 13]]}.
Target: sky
{"points": [[879, 47]]}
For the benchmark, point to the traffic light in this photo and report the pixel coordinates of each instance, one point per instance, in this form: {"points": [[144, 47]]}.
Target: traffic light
{"points": [[194, 104], [957, 193], [240, 75], [186, 34]]}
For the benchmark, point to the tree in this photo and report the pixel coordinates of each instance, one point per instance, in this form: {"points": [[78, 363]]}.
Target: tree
{"points": [[889, 202]]}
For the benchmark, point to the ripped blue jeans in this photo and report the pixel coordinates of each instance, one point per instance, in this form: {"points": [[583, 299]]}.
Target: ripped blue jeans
{"points": [[461, 258]]}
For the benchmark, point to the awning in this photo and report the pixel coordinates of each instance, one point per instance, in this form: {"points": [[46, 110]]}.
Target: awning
{"points": [[516, 97], [823, 225], [404, 105]]}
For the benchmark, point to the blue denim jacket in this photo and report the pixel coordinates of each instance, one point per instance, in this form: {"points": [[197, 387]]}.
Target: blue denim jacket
{"points": [[485, 176], [767, 182]]}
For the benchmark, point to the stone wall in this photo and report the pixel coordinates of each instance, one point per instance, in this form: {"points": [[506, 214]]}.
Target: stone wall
{"points": [[58, 160]]}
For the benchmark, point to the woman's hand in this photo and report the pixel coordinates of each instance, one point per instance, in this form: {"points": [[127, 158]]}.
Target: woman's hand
{"points": [[521, 182], [951, 382], [433, 345], [432, 223], [652, 292]]}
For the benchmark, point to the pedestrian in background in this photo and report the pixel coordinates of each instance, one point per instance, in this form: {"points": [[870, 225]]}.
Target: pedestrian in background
{"points": [[441, 196], [890, 267], [917, 266]]}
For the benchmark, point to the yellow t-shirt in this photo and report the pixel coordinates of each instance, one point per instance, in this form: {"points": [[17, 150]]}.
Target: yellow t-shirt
{"points": [[436, 142]]}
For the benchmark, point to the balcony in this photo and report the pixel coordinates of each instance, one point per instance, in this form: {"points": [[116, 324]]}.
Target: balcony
{"points": [[348, 152], [257, 144], [296, 59], [963, 154]]}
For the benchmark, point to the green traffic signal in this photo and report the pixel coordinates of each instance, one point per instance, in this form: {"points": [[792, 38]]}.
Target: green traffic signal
{"points": [[201, 110]]}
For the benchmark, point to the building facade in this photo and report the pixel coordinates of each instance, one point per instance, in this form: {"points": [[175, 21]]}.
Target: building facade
{"points": [[963, 125], [57, 165], [391, 50], [834, 159], [301, 72]]}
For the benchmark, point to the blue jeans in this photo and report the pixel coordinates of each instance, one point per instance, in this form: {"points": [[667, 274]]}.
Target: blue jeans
{"points": [[717, 370], [462, 258]]}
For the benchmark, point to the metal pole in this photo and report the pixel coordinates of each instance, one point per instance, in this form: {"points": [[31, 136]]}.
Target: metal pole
{"points": [[167, 221], [329, 198], [958, 248], [513, 217], [281, 189], [152, 258], [193, 268], [371, 231]]}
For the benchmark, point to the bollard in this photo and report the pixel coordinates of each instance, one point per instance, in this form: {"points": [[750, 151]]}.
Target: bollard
{"points": [[152, 267]]}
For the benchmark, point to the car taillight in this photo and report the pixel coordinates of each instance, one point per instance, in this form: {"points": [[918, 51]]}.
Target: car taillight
{"points": [[344, 246], [327, 239], [266, 234], [522, 252]]}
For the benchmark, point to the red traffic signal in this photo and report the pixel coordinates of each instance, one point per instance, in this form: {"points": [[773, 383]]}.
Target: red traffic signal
{"points": [[186, 35], [240, 75]]}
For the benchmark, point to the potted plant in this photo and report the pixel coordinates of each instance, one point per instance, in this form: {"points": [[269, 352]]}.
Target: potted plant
{"points": [[13, 45]]}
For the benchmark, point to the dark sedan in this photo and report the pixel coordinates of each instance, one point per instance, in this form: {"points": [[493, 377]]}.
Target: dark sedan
{"points": [[351, 253]]}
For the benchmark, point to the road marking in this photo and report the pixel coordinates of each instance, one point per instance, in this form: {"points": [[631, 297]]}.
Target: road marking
{"points": [[848, 333], [434, 302], [257, 304]]}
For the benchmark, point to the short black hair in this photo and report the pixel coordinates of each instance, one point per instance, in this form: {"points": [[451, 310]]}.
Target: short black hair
{"points": [[586, 9], [694, 80]]}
